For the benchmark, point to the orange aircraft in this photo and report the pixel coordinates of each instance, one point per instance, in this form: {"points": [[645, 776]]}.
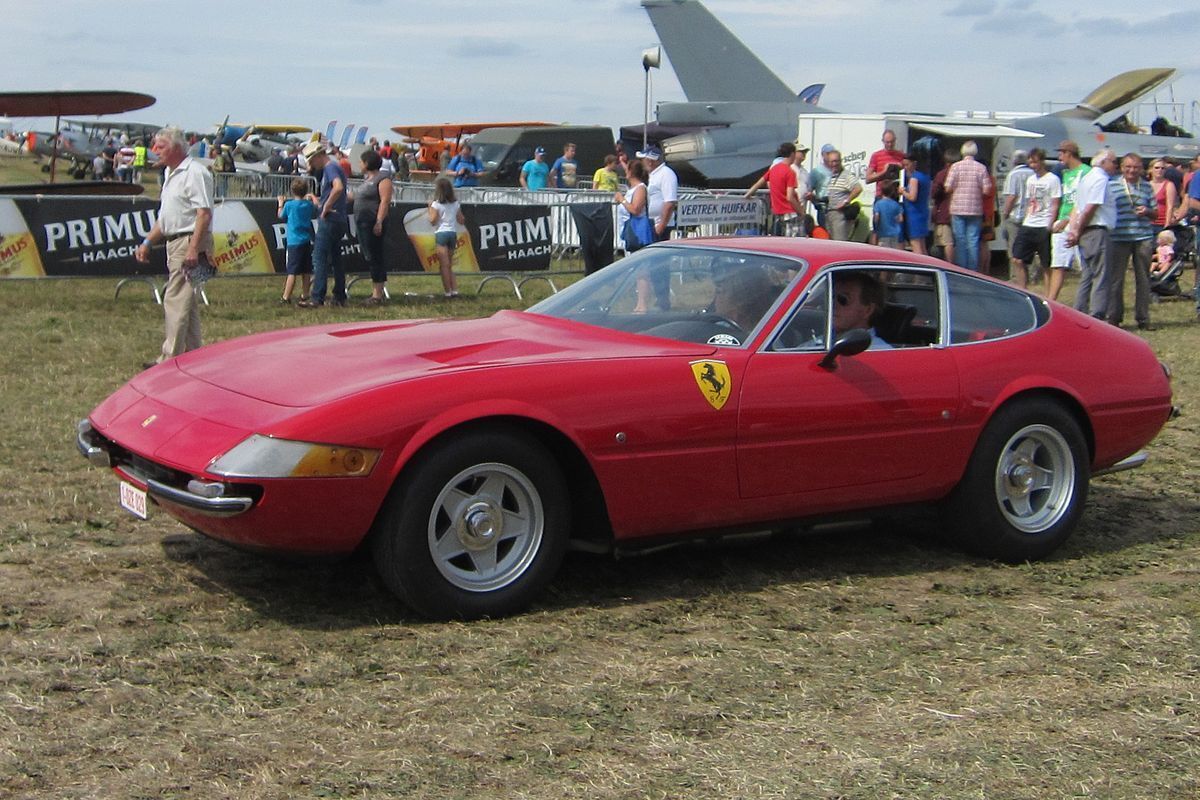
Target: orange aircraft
{"points": [[447, 137]]}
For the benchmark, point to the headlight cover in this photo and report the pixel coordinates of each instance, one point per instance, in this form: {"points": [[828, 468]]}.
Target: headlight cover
{"points": [[261, 456]]}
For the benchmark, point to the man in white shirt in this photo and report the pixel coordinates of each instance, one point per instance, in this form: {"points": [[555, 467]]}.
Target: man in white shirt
{"points": [[1042, 194], [1090, 226], [185, 224], [663, 192], [1015, 199]]}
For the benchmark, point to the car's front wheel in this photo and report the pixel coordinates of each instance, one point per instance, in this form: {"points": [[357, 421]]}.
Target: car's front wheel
{"points": [[476, 526], [1025, 486]]}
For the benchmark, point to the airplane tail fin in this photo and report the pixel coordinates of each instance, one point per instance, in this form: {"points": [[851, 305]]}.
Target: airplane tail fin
{"points": [[361, 136], [709, 61], [330, 130], [811, 94], [346, 136]]}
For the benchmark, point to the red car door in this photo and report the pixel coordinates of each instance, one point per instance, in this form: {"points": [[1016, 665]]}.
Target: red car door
{"points": [[877, 420]]}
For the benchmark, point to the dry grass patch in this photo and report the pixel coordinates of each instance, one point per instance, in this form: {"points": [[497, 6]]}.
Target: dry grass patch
{"points": [[140, 660]]}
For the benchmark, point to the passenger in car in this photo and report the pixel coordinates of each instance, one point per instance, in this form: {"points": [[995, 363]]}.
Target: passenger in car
{"points": [[858, 298]]}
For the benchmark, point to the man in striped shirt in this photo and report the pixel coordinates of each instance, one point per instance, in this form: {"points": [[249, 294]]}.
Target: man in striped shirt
{"points": [[843, 189], [1132, 239]]}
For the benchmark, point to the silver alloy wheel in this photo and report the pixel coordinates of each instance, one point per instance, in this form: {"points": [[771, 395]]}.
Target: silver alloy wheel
{"points": [[485, 527], [1035, 478]]}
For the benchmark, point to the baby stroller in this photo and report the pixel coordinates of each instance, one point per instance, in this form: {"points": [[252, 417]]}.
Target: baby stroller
{"points": [[1167, 283]]}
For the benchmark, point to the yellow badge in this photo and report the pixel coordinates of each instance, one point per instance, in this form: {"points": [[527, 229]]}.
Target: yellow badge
{"points": [[713, 379]]}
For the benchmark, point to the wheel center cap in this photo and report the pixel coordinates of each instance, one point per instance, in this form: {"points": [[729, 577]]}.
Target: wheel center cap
{"points": [[1021, 477], [481, 526]]}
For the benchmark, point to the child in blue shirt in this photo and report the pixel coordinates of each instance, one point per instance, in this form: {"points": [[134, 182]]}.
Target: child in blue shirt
{"points": [[889, 218], [299, 213]]}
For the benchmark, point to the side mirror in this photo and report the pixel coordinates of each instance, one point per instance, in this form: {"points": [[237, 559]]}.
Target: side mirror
{"points": [[851, 343]]}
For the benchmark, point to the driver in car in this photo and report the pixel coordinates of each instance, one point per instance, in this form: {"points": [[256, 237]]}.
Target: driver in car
{"points": [[742, 294], [858, 298]]}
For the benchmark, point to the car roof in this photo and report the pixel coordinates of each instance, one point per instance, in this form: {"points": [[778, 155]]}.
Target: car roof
{"points": [[817, 252]]}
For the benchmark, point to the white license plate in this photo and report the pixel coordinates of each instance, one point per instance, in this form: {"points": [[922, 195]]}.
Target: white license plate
{"points": [[133, 499]]}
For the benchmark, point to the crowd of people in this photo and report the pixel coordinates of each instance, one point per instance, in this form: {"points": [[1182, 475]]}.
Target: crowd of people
{"points": [[1100, 218]]}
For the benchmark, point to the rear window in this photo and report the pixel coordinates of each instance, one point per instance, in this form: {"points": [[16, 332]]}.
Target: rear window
{"points": [[981, 310]]}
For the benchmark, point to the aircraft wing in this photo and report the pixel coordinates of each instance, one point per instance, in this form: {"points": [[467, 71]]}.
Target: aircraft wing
{"points": [[455, 130], [709, 61], [279, 128], [966, 131], [61, 104]]}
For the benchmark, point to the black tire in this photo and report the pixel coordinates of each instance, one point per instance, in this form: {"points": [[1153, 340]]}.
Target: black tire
{"points": [[475, 527], [1025, 486]]}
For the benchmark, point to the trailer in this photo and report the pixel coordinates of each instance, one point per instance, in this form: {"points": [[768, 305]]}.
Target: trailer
{"points": [[930, 136]]}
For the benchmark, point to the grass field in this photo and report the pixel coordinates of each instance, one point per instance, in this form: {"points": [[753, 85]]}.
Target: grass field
{"points": [[140, 660]]}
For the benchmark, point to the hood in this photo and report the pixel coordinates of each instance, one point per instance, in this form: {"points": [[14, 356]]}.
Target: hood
{"points": [[302, 367]]}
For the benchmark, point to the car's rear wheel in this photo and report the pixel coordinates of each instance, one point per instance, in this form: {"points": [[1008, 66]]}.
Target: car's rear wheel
{"points": [[476, 526], [1025, 486]]}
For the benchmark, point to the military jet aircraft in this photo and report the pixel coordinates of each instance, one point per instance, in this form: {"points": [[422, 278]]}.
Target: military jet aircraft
{"points": [[739, 110]]}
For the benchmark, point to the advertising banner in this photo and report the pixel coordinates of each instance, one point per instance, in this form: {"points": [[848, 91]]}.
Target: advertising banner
{"points": [[97, 237]]}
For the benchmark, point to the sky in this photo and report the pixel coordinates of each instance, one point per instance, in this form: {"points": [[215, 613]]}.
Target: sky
{"points": [[391, 62]]}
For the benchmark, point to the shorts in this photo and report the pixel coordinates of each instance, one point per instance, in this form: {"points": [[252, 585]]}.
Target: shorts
{"points": [[299, 259], [447, 239], [942, 235], [1063, 256], [1031, 242], [1011, 229], [891, 241]]}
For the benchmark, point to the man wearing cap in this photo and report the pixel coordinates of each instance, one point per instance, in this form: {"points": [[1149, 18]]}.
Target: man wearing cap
{"points": [[818, 182], [1090, 227], [884, 165], [1063, 256], [536, 173], [332, 224], [788, 194], [663, 192], [781, 185], [185, 224], [803, 185]]}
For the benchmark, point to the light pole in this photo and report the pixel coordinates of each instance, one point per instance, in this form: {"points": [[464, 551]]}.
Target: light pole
{"points": [[651, 57]]}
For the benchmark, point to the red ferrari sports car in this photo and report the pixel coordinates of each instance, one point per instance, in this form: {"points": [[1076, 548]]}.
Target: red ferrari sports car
{"points": [[695, 387]]}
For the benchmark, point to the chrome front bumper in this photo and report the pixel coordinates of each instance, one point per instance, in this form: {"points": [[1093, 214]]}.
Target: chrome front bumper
{"points": [[204, 496]]}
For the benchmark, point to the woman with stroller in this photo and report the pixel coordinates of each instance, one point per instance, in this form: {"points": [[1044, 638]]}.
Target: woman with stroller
{"points": [[1166, 198]]}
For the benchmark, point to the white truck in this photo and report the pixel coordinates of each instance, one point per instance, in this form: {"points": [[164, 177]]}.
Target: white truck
{"points": [[857, 136]]}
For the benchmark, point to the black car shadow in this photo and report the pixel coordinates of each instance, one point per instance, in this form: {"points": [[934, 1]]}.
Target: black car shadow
{"points": [[342, 594]]}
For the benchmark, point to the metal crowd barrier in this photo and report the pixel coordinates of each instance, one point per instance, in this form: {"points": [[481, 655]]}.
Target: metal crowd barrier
{"points": [[564, 235], [247, 185]]}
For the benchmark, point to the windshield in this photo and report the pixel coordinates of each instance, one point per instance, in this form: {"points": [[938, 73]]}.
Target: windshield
{"points": [[690, 294], [490, 153]]}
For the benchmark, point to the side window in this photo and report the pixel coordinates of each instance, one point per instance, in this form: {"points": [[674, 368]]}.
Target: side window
{"points": [[806, 328], [907, 314], [913, 313], [980, 310]]}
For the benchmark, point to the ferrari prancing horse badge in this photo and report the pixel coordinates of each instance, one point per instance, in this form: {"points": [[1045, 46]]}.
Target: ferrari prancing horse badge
{"points": [[713, 379]]}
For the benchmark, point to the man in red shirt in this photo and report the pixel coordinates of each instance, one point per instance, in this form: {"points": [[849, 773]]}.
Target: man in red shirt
{"points": [[786, 203], [884, 164]]}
